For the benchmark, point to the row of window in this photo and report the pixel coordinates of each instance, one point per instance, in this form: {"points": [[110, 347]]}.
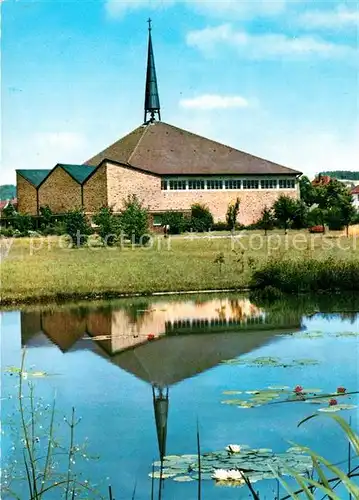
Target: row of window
{"points": [[178, 185]]}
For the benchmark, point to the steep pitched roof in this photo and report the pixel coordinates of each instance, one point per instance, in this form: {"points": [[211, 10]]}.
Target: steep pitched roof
{"points": [[355, 190], [35, 177], [78, 172], [163, 149]]}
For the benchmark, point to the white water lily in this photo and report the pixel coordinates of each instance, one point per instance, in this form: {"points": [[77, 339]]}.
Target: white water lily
{"points": [[233, 448], [220, 475], [235, 475]]}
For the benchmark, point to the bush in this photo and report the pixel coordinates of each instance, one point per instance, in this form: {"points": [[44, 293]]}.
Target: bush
{"points": [[201, 218], [108, 225], [220, 226], [77, 227], [267, 220], [176, 221], [293, 276], [134, 221], [284, 210], [7, 232]]}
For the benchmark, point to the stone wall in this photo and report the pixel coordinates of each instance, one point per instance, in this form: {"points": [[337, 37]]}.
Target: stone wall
{"points": [[60, 192], [95, 190], [26, 196]]}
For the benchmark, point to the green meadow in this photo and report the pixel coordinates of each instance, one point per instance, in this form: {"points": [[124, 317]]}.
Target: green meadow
{"points": [[45, 269]]}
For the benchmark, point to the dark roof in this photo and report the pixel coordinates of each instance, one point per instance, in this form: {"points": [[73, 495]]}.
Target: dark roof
{"points": [[78, 172], [163, 149], [35, 177]]}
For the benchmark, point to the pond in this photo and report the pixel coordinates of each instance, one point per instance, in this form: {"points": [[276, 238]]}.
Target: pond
{"points": [[142, 374]]}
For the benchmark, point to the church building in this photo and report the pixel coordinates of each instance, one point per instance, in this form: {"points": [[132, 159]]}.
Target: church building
{"points": [[166, 167]]}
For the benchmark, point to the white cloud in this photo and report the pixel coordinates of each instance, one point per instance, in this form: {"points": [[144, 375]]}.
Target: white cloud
{"points": [[207, 102], [217, 8], [341, 17], [266, 46]]}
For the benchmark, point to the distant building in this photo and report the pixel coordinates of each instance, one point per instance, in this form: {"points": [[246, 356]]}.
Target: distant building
{"points": [[355, 194], [167, 168], [321, 180]]}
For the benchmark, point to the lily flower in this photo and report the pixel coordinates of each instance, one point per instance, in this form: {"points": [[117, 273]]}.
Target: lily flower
{"points": [[341, 390], [298, 389], [333, 402], [236, 475], [220, 475], [233, 448]]}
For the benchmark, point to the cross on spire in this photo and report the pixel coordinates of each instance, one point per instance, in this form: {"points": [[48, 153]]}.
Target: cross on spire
{"points": [[152, 100]]}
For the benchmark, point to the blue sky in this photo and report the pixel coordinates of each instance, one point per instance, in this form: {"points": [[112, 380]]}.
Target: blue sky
{"points": [[275, 78]]}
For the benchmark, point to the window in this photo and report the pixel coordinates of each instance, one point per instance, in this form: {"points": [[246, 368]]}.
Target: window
{"points": [[177, 185], [286, 183], [269, 184], [196, 184], [157, 220], [232, 184], [250, 184], [164, 185], [214, 184]]}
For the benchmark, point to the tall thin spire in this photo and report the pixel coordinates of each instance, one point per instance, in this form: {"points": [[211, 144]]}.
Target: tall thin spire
{"points": [[152, 100]]}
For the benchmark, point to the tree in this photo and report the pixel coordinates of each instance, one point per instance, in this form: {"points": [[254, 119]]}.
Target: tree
{"points": [[108, 225], [347, 211], [232, 214], [284, 210], [9, 211], [77, 227], [201, 218], [300, 215], [267, 220], [134, 220], [176, 221], [307, 191]]}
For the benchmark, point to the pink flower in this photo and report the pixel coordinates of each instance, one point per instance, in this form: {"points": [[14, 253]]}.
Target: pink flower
{"points": [[333, 402], [150, 336], [341, 390], [298, 389]]}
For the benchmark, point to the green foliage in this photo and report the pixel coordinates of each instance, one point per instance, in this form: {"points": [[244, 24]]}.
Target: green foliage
{"points": [[300, 215], [7, 192], [201, 218], [232, 214], [176, 221], [9, 211], [267, 220], [77, 227], [308, 275], [342, 174], [221, 226], [285, 210], [47, 215], [134, 221], [108, 225], [307, 191]]}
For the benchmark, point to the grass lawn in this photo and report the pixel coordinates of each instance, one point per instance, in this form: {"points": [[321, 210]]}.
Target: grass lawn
{"points": [[40, 270]]}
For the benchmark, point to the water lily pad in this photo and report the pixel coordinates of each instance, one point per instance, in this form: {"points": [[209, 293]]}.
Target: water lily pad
{"points": [[158, 475], [230, 393], [183, 479]]}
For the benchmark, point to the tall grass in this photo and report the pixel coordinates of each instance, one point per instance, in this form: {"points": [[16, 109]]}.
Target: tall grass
{"points": [[308, 275]]}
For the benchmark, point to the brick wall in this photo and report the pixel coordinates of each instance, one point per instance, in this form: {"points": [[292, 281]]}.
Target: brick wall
{"points": [[252, 202], [122, 182], [26, 196], [60, 192], [95, 190]]}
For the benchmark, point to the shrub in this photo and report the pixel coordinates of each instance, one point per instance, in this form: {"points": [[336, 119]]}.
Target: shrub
{"points": [[9, 211], [134, 221], [108, 225], [232, 214], [7, 232], [201, 218], [176, 221], [293, 276], [220, 226], [77, 227]]}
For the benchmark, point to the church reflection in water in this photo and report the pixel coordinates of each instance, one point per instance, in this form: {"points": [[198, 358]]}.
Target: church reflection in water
{"points": [[161, 343]]}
